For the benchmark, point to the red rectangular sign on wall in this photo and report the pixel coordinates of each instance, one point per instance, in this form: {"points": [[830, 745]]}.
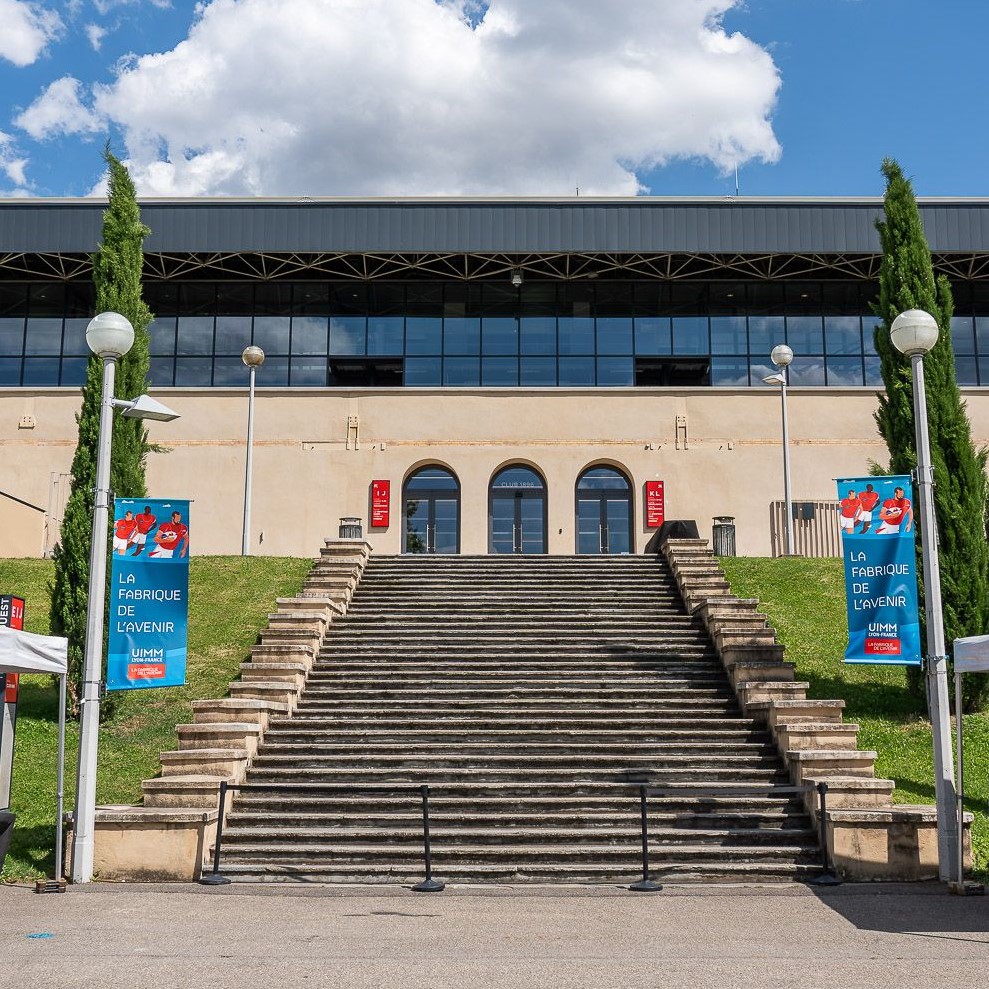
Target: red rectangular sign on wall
{"points": [[655, 504], [11, 615], [380, 504]]}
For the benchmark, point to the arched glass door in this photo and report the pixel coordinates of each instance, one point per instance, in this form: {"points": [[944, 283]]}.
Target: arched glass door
{"points": [[517, 512], [604, 511], [431, 512]]}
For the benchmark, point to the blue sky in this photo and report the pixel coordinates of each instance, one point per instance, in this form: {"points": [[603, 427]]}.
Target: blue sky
{"points": [[533, 97]]}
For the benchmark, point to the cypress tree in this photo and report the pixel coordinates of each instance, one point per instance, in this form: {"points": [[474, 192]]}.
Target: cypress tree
{"points": [[907, 281], [117, 270]]}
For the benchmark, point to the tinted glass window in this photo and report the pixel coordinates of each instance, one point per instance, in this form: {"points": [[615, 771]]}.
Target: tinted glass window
{"points": [[615, 371], [162, 335], [424, 335], [44, 336], [309, 334], [963, 334], [765, 332], [690, 335], [271, 334], [10, 370], [614, 335], [499, 336], [347, 335], [423, 371], [385, 335], [805, 334], [538, 335], [463, 371], [499, 371], [193, 371], [461, 336], [195, 335], [11, 336], [537, 372], [728, 335], [602, 479], [807, 371], [576, 370], [845, 372], [308, 371], [41, 370], [843, 334], [576, 335], [233, 334], [653, 335], [729, 372]]}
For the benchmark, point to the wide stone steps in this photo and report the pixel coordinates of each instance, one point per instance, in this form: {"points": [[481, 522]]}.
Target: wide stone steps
{"points": [[534, 696]]}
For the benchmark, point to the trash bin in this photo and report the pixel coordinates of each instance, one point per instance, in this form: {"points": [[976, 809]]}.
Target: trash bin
{"points": [[724, 535], [6, 829], [351, 527]]}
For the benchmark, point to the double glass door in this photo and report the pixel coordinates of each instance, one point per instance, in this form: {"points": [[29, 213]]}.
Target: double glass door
{"points": [[518, 512], [604, 512], [431, 506]]}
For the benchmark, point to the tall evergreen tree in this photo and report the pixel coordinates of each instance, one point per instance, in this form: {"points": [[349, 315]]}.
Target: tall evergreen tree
{"points": [[117, 269], [907, 281]]}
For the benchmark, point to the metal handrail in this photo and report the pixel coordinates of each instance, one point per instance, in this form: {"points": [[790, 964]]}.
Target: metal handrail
{"points": [[430, 885]]}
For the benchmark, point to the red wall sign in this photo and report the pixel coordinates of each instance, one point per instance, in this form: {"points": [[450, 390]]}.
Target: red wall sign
{"points": [[655, 504], [11, 615], [380, 504]]}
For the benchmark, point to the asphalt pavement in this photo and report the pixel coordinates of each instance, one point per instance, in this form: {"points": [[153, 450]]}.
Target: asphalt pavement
{"points": [[850, 937]]}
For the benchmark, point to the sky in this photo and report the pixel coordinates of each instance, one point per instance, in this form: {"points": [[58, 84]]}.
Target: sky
{"points": [[493, 97]]}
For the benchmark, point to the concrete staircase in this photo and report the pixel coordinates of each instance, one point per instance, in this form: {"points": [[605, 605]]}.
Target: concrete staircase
{"points": [[532, 694]]}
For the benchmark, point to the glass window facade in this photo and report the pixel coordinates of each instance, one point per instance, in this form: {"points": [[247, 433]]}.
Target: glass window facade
{"points": [[468, 334]]}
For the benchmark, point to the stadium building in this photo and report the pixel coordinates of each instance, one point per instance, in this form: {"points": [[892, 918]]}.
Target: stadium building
{"points": [[496, 375]]}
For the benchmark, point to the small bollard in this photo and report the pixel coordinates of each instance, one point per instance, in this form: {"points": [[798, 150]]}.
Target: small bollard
{"points": [[429, 884], [214, 878], [827, 876], [645, 884]]}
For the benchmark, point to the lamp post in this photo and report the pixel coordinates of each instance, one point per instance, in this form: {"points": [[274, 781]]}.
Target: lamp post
{"points": [[253, 357], [914, 333], [782, 357], [109, 336]]}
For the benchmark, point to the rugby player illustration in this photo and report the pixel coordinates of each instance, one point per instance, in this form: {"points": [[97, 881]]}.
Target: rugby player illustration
{"points": [[868, 500], [146, 521], [123, 532], [171, 539], [896, 512], [851, 509]]}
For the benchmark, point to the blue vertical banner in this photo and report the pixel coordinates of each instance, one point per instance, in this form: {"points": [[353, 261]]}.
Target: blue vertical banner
{"points": [[149, 591], [877, 542]]}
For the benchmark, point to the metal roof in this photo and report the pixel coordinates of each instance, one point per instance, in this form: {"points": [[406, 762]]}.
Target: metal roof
{"points": [[496, 226]]}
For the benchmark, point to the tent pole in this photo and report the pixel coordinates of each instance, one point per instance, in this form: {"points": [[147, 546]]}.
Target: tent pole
{"points": [[60, 793]]}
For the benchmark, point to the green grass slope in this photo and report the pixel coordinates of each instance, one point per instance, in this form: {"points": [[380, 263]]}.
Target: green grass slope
{"points": [[229, 600], [805, 601]]}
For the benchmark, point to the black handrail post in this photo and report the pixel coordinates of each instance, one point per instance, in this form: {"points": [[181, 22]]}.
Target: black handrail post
{"points": [[429, 884], [827, 876], [215, 879], [645, 884]]}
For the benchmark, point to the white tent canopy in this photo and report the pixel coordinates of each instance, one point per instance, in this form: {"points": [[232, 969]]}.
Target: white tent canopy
{"points": [[25, 652]]}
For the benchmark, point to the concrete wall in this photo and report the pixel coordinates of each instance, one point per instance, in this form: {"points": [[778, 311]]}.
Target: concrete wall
{"points": [[724, 459]]}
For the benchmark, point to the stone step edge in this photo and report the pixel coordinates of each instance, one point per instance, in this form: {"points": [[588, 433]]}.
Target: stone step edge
{"points": [[698, 574], [313, 609]]}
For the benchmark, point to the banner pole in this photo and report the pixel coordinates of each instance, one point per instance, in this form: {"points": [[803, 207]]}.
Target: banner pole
{"points": [[960, 787], [60, 785]]}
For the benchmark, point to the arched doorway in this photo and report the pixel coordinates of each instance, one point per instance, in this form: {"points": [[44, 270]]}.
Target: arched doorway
{"points": [[604, 511], [517, 511], [431, 512]]}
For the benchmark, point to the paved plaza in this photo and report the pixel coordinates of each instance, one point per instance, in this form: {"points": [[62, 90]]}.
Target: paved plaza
{"points": [[471, 937]]}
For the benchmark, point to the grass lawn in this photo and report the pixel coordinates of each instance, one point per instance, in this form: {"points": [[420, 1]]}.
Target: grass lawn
{"points": [[229, 600], [805, 600]]}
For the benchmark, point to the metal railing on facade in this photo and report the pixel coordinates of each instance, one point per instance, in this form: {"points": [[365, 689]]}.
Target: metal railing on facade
{"points": [[816, 528]]}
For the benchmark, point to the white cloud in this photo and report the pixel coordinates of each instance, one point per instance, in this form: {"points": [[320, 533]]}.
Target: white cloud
{"points": [[12, 166], [25, 30], [58, 110], [95, 33], [375, 97]]}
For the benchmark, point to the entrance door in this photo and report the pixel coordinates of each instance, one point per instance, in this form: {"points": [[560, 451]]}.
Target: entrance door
{"points": [[604, 512], [431, 516], [518, 512]]}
